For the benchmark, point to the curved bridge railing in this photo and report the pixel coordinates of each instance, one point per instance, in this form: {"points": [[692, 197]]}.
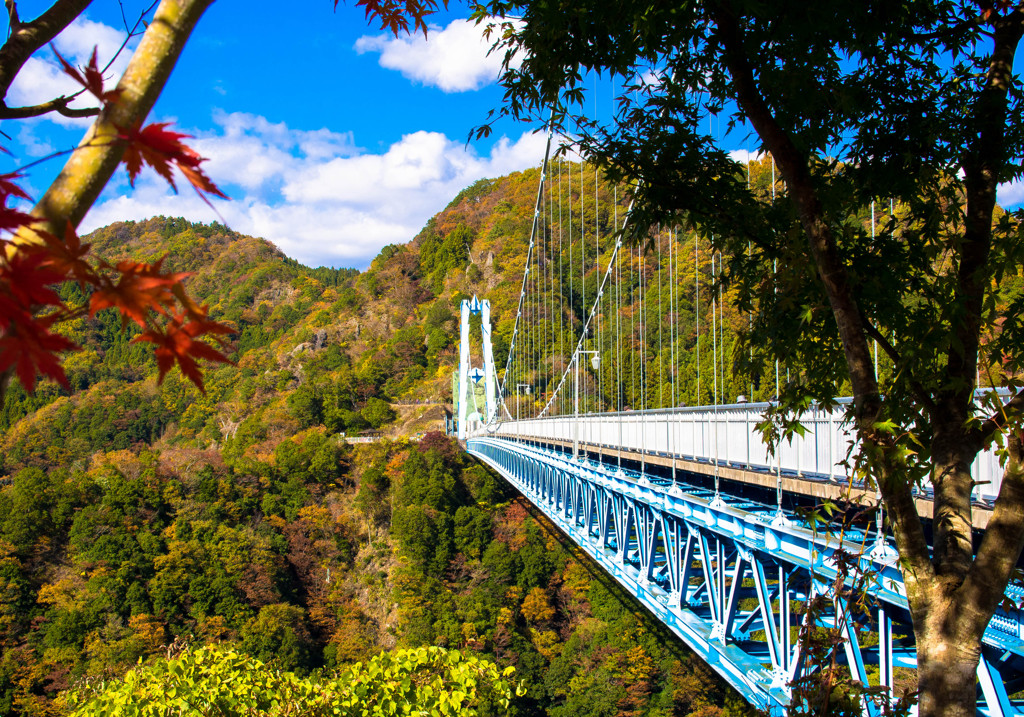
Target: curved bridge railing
{"points": [[726, 435]]}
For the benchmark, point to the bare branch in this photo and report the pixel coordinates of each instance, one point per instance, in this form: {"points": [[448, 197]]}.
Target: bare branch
{"points": [[13, 21], [30, 36], [132, 32], [58, 105], [93, 162], [26, 38], [893, 353]]}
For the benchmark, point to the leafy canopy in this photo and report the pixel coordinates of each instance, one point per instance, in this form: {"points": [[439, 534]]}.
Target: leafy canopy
{"points": [[875, 102]]}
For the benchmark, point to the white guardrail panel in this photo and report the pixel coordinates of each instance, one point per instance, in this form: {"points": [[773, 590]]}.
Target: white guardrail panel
{"points": [[726, 434]]}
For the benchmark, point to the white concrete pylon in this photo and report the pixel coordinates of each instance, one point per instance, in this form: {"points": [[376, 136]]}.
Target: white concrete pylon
{"points": [[460, 401], [470, 307], [490, 376]]}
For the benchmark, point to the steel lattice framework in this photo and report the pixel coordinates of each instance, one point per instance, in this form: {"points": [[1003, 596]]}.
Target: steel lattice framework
{"points": [[730, 577]]}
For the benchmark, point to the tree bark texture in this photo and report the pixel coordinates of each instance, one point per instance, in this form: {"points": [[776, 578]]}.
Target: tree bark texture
{"points": [[28, 37], [947, 660], [91, 165]]}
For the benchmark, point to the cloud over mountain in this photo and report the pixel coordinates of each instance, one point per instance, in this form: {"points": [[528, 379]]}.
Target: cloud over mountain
{"points": [[315, 194]]}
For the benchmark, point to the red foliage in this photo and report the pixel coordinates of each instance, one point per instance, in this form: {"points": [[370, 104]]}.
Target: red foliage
{"points": [[11, 219], [138, 289], [91, 78], [27, 343], [394, 15], [30, 347], [447, 447], [67, 256], [510, 525], [160, 148], [144, 293], [175, 343]]}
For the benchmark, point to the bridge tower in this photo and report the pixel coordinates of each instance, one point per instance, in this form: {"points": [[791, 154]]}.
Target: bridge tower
{"points": [[469, 376]]}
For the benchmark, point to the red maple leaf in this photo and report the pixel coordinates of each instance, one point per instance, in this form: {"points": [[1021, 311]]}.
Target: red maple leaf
{"points": [[8, 187], [11, 311], [393, 15], [199, 323], [12, 219], [67, 256], [30, 347], [161, 148], [176, 343], [26, 280], [139, 289], [91, 78]]}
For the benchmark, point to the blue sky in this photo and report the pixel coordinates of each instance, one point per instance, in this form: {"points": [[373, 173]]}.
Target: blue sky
{"points": [[331, 138]]}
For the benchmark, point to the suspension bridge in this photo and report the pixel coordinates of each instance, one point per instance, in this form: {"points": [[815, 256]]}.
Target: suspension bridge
{"points": [[616, 417]]}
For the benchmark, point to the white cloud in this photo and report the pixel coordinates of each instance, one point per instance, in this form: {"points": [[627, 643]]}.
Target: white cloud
{"points": [[744, 155], [455, 59], [255, 154], [41, 78], [32, 145], [1010, 194], [314, 193]]}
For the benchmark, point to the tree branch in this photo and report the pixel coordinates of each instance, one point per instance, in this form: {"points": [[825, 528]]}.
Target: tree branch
{"points": [[954, 444], [13, 21], [919, 393], [28, 37], [794, 166], [984, 158], [58, 105], [91, 165], [946, 33], [985, 585], [998, 421]]}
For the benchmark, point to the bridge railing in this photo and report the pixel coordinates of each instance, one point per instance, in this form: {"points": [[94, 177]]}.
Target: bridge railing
{"points": [[727, 436]]}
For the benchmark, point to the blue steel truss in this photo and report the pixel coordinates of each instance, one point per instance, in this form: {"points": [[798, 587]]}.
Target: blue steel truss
{"points": [[729, 576]]}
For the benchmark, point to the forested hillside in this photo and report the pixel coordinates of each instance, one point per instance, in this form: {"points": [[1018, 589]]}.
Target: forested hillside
{"points": [[136, 514]]}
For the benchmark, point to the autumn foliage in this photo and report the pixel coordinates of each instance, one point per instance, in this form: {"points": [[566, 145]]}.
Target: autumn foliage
{"points": [[36, 262]]}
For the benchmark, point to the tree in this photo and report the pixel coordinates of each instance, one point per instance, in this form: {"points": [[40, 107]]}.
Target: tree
{"points": [[217, 680], [378, 412], [913, 102], [44, 251]]}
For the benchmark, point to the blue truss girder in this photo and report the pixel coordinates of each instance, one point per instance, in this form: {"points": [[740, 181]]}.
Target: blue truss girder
{"points": [[694, 559]]}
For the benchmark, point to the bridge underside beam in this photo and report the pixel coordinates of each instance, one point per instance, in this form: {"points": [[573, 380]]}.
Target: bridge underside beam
{"points": [[823, 490]]}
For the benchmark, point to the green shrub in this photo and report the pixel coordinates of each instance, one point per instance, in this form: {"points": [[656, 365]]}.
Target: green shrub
{"points": [[215, 680]]}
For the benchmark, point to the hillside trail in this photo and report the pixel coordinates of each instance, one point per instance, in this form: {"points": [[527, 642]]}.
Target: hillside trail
{"points": [[416, 419]]}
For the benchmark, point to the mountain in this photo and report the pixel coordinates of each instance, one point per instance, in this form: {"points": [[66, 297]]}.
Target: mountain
{"points": [[137, 516]]}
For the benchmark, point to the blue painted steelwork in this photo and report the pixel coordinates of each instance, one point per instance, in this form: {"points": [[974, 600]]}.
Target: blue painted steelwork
{"points": [[700, 561]]}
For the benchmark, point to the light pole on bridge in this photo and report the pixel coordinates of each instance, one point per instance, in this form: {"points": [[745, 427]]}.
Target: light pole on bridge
{"points": [[595, 361], [526, 386]]}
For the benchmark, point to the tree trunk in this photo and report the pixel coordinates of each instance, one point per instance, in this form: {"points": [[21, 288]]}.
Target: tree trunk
{"points": [[91, 165], [947, 661]]}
